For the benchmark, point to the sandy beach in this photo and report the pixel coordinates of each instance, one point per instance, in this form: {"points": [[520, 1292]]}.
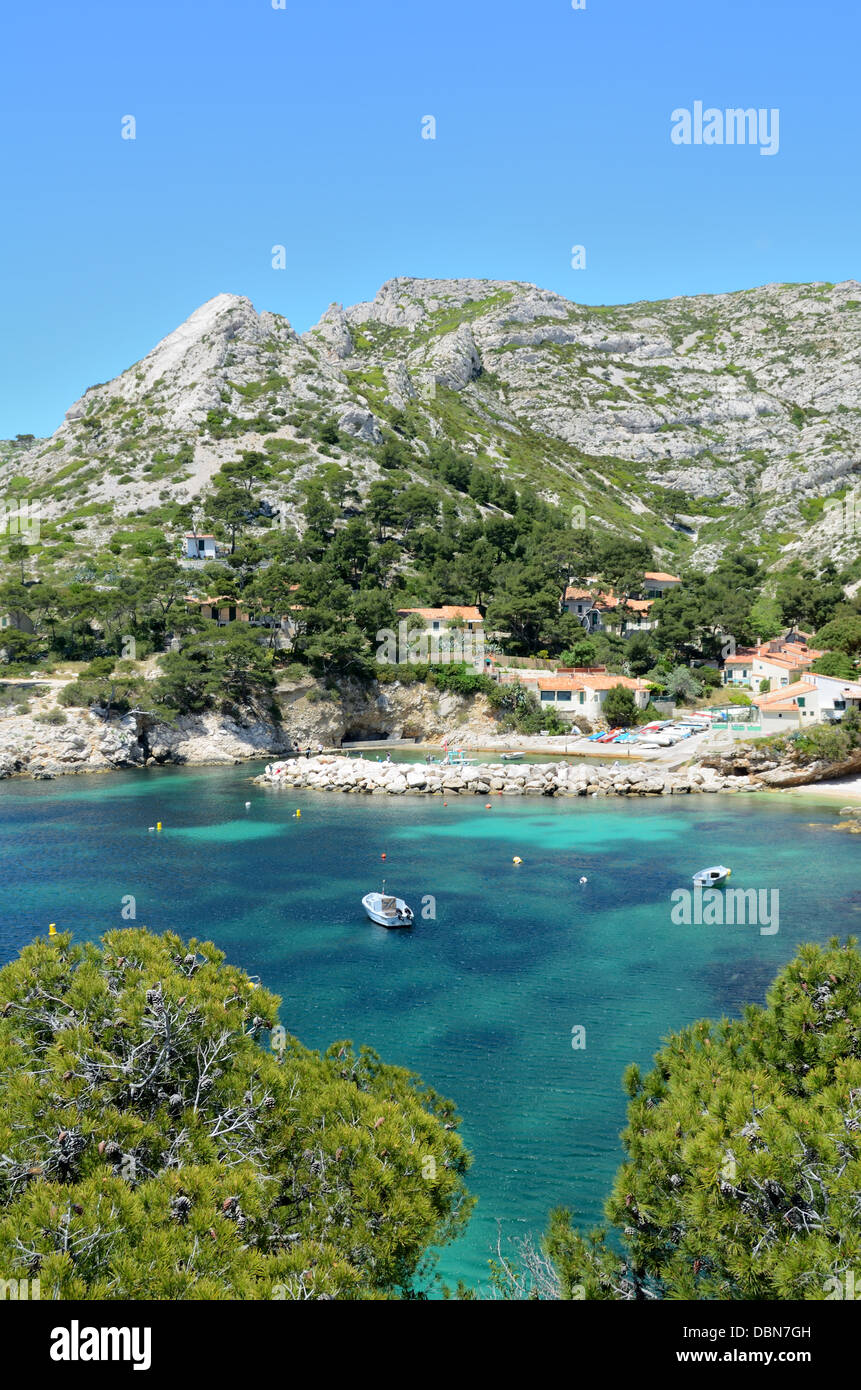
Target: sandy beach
{"points": [[845, 791]]}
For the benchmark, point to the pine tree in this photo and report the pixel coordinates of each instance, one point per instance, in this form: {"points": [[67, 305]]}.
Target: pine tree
{"points": [[743, 1171], [161, 1138]]}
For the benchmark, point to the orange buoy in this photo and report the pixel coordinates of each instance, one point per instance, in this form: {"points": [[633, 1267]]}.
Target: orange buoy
{"points": [[487, 807], [382, 856]]}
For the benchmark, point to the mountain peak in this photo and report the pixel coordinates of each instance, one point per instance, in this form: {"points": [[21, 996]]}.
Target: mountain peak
{"points": [[188, 368]]}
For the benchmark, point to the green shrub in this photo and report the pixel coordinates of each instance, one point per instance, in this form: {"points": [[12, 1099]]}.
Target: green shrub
{"points": [[100, 666]]}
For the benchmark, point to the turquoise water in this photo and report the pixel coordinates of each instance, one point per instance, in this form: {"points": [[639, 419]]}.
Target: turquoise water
{"points": [[480, 1001], [417, 755]]}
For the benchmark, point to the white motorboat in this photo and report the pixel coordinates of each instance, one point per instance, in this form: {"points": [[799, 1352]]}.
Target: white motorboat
{"points": [[387, 910], [511, 757], [712, 878]]}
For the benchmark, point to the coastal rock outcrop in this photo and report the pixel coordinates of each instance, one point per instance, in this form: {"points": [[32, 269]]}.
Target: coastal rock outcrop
{"points": [[87, 742], [311, 715], [771, 770], [359, 712]]}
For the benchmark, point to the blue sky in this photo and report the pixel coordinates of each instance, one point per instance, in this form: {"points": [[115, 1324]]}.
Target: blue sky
{"points": [[301, 126]]}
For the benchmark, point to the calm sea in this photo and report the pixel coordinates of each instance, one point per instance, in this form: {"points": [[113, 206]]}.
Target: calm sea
{"points": [[480, 999]]}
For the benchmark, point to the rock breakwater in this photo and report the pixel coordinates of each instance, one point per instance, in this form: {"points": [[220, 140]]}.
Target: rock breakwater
{"points": [[332, 773]]}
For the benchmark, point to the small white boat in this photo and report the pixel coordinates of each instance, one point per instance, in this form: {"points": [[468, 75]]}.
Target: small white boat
{"points": [[712, 878], [511, 757], [387, 910]]}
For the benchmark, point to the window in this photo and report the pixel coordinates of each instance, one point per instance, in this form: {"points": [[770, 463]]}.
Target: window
{"points": [[800, 702], [547, 695]]}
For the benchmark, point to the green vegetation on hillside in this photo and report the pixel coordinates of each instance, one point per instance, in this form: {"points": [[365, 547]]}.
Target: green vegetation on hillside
{"points": [[328, 592]]}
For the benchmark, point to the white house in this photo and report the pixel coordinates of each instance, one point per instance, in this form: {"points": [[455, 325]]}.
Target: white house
{"points": [[813, 700], [657, 582], [450, 616], [199, 547], [584, 693], [780, 661], [835, 695]]}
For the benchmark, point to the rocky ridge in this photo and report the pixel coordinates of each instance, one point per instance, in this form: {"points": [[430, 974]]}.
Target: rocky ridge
{"points": [[747, 404]]}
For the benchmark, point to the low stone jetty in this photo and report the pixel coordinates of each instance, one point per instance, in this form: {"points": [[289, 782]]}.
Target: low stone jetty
{"points": [[333, 773]]}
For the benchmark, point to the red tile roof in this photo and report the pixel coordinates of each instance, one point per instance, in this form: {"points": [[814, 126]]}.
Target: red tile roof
{"points": [[602, 600], [583, 681], [785, 696], [445, 614]]}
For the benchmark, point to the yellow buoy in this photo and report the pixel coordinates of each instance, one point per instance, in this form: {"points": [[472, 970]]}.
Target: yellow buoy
{"points": [[517, 860], [52, 929], [298, 815], [158, 825]]}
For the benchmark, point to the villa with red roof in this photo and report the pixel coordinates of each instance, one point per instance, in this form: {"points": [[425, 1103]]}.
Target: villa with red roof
{"points": [[658, 582], [584, 692], [450, 615], [591, 609], [780, 661]]}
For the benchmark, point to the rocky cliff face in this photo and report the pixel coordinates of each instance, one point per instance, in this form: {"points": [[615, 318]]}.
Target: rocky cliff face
{"points": [[87, 743], [356, 713], [311, 715], [746, 405]]}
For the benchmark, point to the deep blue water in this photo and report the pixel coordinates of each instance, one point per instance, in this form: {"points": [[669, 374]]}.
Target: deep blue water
{"points": [[480, 1001]]}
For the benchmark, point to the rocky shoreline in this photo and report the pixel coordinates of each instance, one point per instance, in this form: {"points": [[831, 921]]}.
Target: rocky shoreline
{"points": [[330, 772], [54, 741], [86, 743]]}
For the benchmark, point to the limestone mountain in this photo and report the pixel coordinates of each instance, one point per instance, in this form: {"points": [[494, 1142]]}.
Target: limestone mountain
{"points": [[694, 423]]}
